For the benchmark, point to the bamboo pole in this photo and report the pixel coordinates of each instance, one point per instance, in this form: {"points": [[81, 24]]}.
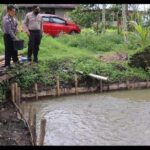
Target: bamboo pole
{"points": [[57, 86], [98, 77], [95, 76], [36, 91], [42, 131], [76, 83]]}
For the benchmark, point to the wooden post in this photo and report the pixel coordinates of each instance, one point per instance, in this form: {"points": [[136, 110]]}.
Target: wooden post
{"points": [[128, 84], [13, 92], [147, 83], [36, 91], [42, 131], [119, 85], [22, 109], [101, 86], [16, 93], [30, 115], [19, 96], [57, 86], [76, 83], [33, 126], [108, 86], [133, 87]]}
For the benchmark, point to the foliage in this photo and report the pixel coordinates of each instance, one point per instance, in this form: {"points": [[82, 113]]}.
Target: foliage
{"points": [[1, 43], [89, 40], [142, 32], [83, 17], [64, 55], [2, 9], [141, 59]]}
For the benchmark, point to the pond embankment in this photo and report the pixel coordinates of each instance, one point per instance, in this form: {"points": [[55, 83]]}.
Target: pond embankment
{"points": [[13, 131]]}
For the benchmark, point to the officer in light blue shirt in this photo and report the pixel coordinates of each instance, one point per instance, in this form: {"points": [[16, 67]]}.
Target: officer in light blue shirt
{"points": [[10, 30], [33, 27]]}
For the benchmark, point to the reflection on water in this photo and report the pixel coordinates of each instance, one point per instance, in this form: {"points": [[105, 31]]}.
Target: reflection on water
{"points": [[116, 118]]}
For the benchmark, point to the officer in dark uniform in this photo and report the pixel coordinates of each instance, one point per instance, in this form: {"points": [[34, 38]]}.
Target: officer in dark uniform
{"points": [[34, 29], [10, 30]]}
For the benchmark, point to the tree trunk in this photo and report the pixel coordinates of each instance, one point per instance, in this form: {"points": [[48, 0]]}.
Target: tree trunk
{"points": [[98, 22], [103, 19], [124, 21]]}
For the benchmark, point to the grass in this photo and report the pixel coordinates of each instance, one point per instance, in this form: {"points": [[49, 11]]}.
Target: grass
{"points": [[52, 48], [78, 52]]}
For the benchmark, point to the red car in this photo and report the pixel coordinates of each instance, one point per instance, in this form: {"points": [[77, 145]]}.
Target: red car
{"points": [[54, 25]]}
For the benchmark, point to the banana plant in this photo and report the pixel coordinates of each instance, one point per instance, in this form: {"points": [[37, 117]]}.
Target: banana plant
{"points": [[142, 32]]}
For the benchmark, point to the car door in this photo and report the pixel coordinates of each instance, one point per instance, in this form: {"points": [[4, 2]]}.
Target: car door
{"points": [[59, 25], [47, 25]]}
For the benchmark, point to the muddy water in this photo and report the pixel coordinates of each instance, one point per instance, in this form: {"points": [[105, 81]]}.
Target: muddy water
{"points": [[116, 118]]}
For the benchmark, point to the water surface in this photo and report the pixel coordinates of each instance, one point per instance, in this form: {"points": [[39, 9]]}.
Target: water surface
{"points": [[115, 118]]}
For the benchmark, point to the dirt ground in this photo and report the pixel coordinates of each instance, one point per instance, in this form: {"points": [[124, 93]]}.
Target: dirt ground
{"points": [[13, 131], [114, 57]]}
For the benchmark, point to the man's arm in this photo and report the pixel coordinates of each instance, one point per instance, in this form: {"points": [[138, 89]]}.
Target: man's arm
{"points": [[41, 25], [7, 26], [25, 25]]}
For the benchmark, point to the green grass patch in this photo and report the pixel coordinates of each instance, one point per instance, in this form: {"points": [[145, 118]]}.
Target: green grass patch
{"points": [[77, 53]]}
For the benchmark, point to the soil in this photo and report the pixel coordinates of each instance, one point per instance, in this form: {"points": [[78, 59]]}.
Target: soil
{"points": [[119, 56], [13, 131]]}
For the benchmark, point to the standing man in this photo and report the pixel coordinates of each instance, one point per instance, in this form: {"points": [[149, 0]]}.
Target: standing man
{"points": [[34, 29], [10, 30]]}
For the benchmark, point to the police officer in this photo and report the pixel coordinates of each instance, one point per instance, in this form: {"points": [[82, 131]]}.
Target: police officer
{"points": [[33, 27], [10, 30]]}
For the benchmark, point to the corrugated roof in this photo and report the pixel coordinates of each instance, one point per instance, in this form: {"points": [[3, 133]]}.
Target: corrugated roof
{"points": [[49, 5]]}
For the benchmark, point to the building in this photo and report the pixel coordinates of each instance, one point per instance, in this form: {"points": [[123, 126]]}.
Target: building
{"points": [[57, 9]]}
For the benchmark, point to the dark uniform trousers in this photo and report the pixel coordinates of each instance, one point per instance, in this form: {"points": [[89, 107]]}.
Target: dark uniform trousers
{"points": [[33, 45], [10, 52]]}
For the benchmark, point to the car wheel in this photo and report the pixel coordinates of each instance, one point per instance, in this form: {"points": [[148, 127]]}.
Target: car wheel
{"points": [[61, 34], [73, 32]]}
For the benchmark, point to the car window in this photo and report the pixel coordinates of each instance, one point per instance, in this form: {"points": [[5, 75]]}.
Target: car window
{"points": [[58, 20], [46, 19]]}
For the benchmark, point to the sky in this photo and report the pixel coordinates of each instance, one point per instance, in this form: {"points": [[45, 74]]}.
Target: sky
{"points": [[147, 6], [140, 6]]}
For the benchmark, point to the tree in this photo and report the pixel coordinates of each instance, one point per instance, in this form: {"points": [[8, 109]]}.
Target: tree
{"points": [[83, 16], [124, 21], [87, 15], [2, 12], [116, 9], [103, 18]]}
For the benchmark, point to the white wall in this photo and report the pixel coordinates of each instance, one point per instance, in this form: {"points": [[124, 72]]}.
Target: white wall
{"points": [[60, 12]]}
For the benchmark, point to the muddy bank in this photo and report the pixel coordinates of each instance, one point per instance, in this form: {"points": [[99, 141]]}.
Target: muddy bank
{"points": [[13, 131]]}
